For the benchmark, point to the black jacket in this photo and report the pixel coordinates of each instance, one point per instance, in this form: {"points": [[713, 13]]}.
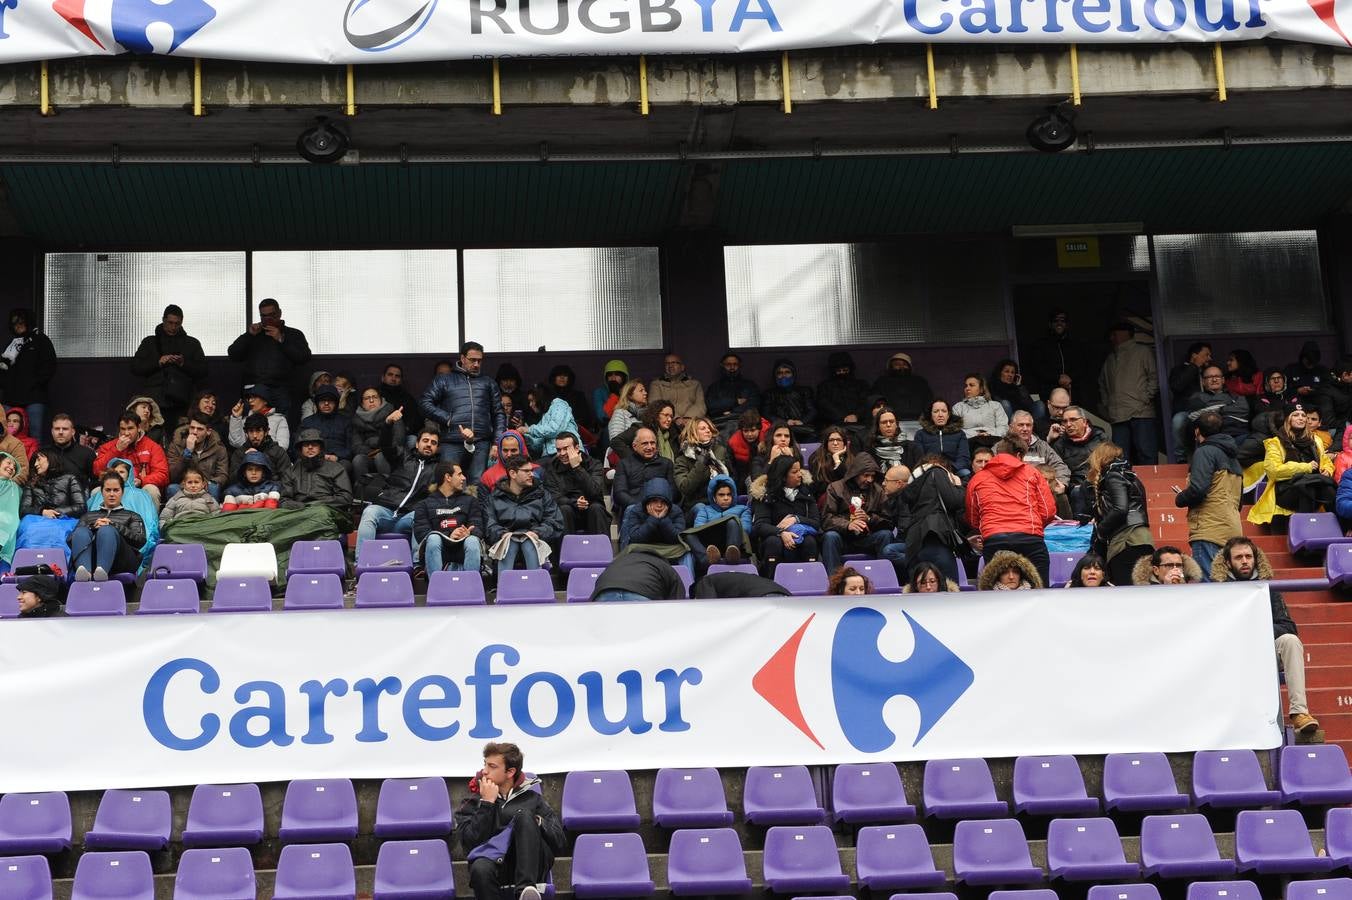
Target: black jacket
{"points": [[267, 361], [1185, 379], [642, 573], [476, 821], [444, 514], [533, 509], [1075, 454], [407, 484], [926, 498], [276, 454], [795, 402], [908, 394], [567, 483], [170, 385], [720, 397], [1119, 502], [457, 398], [317, 480], [768, 510], [737, 584], [840, 397], [27, 378], [73, 459], [129, 524], [59, 491], [630, 476]]}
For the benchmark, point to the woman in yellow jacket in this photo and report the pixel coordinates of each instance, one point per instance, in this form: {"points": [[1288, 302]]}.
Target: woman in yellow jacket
{"points": [[1299, 473]]}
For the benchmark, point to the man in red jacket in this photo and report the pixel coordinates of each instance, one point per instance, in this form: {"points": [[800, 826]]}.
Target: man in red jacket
{"points": [[1009, 503], [150, 469]]}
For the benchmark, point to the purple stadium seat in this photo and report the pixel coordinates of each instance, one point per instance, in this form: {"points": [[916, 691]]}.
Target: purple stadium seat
{"points": [[581, 583], [392, 554], [1325, 889], [869, 792], [1338, 564], [34, 823], [1051, 786], [414, 869], [131, 820], [1338, 835], [960, 789], [122, 875], [806, 579], [1140, 782], [223, 873], [925, 896], [380, 589], [963, 583], [448, 588], [250, 593], [1124, 892], [96, 598], [169, 597], [687, 577], [309, 592], [705, 861], [808, 449], [1063, 566], [745, 568], [1275, 842], [26, 878], [993, 851], [611, 865], [315, 870], [802, 859], [1313, 532], [319, 809], [1223, 890], [1225, 779], [413, 807], [1314, 775], [179, 561], [525, 586], [316, 558], [598, 800], [889, 857], [57, 557], [1181, 847], [9, 600], [1087, 850], [221, 815], [689, 798], [585, 551], [1029, 894], [881, 572], [780, 795]]}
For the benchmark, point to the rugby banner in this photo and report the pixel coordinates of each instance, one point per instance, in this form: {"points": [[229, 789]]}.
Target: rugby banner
{"points": [[372, 31], [141, 702]]}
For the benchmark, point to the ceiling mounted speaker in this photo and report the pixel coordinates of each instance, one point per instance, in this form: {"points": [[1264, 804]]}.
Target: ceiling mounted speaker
{"points": [[324, 143], [1053, 132]]}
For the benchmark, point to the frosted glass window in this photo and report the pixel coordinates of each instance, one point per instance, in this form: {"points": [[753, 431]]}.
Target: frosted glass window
{"points": [[103, 304], [364, 301], [1258, 281], [568, 298], [827, 294]]}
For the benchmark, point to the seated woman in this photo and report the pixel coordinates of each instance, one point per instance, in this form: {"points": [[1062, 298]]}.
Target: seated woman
{"points": [[134, 499], [16, 423], [1242, 375], [847, 581], [629, 408], [1090, 571], [829, 461], [887, 445], [941, 432], [661, 418], [779, 442], [702, 457], [558, 419], [1007, 388], [722, 522], [1299, 473], [927, 579], [152, 420], [50, 492], [107, 539], [207, 404], [785, 523], [1009, 571], [375, 424], [984, 421]]}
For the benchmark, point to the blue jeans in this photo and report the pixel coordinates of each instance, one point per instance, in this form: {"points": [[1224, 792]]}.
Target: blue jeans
{"points": [[520, 550], [620, 595], [213, 489], [94, 549], [376, 519], [833, 547], [474, 464], [1179, 425], [1138, 438], [37, 419], [1203, 553], [432, 555], [895, 553]]}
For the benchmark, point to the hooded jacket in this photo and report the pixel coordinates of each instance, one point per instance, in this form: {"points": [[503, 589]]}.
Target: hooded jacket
{"points": [[243, 494], [645, 574], [27, 363], [57, 491], [1009, 496], [30, 444], [722, 394], [155, 428], [407, 482], [1282, 623], [581, 409], [533, 509], [147, 457], [336, 429], [185, 504], [170, 384], [949, 441], [770, 504], [458, 398], [1214, 491], [632, 473], [907, 393], [981, 415], [603, 397], [496, 472], [792, 402], [639, 527], [709, 511], [139, 502], [1314, 377], [1141, 572], [210, 455], [267, 361], [309, 407], [840, 495], [1001, 562], [841, 395], [1278, 468], [316, 479], [477, 820]]}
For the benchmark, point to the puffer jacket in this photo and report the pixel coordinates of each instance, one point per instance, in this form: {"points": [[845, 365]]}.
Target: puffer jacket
{"points": [[276, 454], [244, 494], [559, 417], [630, 476], [980, 415], [533, 509], [692, 471], [317, 480], [458, 398], [1003, 561], [335, 429], [949, 441], [1282, 623], [1214, 492], [768, 510], [128, 523], [707, 512], [58, 491], [639, 527], [1278, 468], [185, 504], [1119, 502], [1009, 497], [837, 508]]}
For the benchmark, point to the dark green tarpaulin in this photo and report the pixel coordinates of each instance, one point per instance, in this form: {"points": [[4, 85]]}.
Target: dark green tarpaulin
{"points": [[279, 527]]}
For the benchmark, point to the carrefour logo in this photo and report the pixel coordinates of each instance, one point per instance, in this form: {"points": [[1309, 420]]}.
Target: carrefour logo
{"points": [[131, 20], [863, 680], [379, 25]]}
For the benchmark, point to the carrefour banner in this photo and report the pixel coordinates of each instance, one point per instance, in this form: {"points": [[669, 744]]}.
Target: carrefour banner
{"points": [[127, 702], [369, 31]]}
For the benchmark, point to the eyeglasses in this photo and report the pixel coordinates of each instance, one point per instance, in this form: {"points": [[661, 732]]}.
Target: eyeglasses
{"points": [[1168, 565], [1072, 418]]}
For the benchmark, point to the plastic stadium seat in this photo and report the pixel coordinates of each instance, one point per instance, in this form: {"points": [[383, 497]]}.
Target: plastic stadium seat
{"points": [[780, 795], [9, 600], [96, 598], [1140, 782], [1124, 892], [1062, 567], [1275, 842], [34, 823], [26, 878], [223, 873], [315, 870], [1325, 889], [1313, 532], [310, 592], [414, 869], [889, 857], [1338, 835], [525, 586], [1051, 786], [387, 555], [56, 557], [221, 815], [1226, 779], [881, 572], [384, 589], [963, 583], [319, 809], [1087, 850], [172, 597], [246, 594], [448, 588], [1181, 847], [687, 577], [1028, 894], [802, 859], [993, 851], [122, 875], [581, 584], [1338, 564], [179, 561], [808, 449], [689, 798], [598, 800], [706, 861], [924, 896], [131, 820], [1314, 775], [1223, 890], [870, 792], [611, 865], [585, 551], [960, 789], [413, 807], [243, 560], [744, 568], [806, 579], [316, 558]]}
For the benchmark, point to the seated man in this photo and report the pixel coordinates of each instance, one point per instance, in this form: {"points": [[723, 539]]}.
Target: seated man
{"points": [[788, 401], [655, 523], [685, 393], [316, 477], [1076, 439], [197, 444], [508, 831], [1037, 451], [334, 428], [1167, 565], [511, 443], [150, 470], [71, 457], [258, 401], [855, 517], [1213, 397], [404, 488], [1241, 560], [638, 576], [522, 519], [578, 483], [449, 524], [257, 437], [635, 470]]}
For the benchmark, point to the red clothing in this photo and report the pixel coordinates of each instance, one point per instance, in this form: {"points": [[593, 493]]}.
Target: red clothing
{"points": [[1251, 388], [147, 457], [737, 444], [30, 443], [1009, 496]]}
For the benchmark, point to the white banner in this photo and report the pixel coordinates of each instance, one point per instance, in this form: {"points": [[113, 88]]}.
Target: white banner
{"points": [[140, 702], [371, 31]]}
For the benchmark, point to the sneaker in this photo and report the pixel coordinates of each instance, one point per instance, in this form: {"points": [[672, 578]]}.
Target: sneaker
{"points": [[82, 574], [1304, 723], [529, 892], [100, 573], [714, 556], [732, 556]]}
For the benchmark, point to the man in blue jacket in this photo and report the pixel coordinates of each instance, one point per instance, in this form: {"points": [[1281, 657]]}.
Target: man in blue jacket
{"points": [[468, 409]]}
